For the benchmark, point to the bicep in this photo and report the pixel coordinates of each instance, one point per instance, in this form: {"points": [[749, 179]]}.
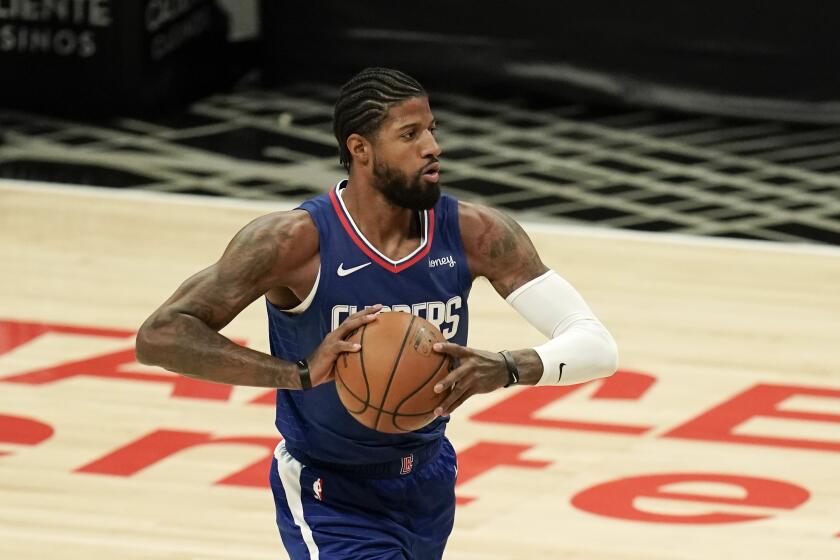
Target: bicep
{"points": [[213, 301], [247, 269], [499, 249]]}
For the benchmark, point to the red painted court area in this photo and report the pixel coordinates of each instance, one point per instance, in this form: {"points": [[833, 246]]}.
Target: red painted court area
{"points": [[611, 498]]}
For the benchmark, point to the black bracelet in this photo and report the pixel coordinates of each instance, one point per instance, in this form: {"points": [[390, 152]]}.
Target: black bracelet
{"points": [[303, 370], [512, 368]]}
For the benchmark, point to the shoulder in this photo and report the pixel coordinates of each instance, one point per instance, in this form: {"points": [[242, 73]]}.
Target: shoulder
{"points": [[497, 247], [485, 230], [287, 238], [279, 228], [471, 214]]}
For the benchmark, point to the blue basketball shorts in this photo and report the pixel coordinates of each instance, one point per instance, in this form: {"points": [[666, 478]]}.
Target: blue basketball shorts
{"points": [[327, 514]]}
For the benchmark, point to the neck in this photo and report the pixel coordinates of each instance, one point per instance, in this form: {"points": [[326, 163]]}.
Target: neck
{"points": [[391, 229]]}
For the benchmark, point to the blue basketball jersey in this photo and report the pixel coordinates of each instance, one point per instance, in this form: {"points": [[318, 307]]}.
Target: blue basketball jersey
{"points": [[432, 282]]}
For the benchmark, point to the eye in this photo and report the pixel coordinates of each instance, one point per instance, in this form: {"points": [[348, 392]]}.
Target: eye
{"points": [[408, 135], [433, 130]]}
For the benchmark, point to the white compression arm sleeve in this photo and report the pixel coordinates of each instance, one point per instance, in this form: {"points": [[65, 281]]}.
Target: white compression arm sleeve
{"points": [[580, 347]]}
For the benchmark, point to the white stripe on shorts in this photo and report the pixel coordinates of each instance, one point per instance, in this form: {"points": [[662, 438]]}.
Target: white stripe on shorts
{"points": [[289, 470]]}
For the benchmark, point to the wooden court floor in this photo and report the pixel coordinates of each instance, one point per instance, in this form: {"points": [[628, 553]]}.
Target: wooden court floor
{"points": [[718, 438]]}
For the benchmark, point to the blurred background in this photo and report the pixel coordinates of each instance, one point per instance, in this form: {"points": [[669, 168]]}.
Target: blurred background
{"points": [[696, 118]]}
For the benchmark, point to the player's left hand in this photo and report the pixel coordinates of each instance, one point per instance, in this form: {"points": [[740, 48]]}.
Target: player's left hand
{"points": [[478, 371]]}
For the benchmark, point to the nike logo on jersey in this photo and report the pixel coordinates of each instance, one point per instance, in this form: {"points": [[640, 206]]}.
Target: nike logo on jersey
{"points": [[346, 271]]}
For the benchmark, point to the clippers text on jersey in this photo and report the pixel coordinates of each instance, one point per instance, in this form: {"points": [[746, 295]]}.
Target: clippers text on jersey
{"points": [[444, 316]]}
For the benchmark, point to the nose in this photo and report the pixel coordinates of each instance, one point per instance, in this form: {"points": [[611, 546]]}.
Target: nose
{"points": [[431, 148]]}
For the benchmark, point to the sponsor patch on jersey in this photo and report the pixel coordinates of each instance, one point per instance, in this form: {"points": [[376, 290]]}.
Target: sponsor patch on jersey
{"points": [[448, 260]]}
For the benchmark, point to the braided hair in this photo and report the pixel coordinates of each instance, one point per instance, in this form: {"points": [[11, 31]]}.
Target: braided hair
{"points": [[364, 101]]}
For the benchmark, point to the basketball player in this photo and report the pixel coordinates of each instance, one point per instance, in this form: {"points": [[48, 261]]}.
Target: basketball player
{"points": [[385, 238]]}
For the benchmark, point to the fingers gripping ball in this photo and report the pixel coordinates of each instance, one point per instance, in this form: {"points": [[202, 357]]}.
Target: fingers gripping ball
{"points": [[389, 385]]}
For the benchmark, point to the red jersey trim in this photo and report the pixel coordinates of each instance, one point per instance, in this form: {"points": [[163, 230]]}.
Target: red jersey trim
{"points": [[361, 244]]}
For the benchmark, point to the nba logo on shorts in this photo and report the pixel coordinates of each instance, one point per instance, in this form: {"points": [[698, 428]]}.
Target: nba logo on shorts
{"points": [[407, 464], [318, 488]]}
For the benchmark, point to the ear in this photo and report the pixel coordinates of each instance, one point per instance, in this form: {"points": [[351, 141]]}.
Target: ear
{"points": [[360, 148]]}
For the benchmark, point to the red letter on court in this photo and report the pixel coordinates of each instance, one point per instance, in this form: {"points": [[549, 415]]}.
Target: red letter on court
{"points": [[522, 407], [18, 333], [111, 365], [763, 400], [485, 456], [617, 498], [22, 431], [161, 444]]}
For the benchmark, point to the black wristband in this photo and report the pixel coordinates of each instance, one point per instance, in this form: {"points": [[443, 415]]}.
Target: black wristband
{"points": [[512, 368], [303, 370]]}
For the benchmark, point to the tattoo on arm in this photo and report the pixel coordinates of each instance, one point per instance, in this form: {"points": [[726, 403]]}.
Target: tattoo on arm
{"points": [[182, 335], [506, 254], [244, 272]]}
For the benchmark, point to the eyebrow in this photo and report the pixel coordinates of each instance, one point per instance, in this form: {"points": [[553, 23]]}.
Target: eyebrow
{"points": [[416, 124]]}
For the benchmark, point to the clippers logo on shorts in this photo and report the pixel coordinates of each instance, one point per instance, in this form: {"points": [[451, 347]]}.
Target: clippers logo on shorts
{"points": [[443, 315], [318, 489], [407, 464]]}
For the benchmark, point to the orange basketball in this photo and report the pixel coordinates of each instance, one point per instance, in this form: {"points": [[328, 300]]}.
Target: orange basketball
{"points": [[389, 384]]}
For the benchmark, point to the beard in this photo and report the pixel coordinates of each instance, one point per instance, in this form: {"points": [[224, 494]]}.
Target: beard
{"points": [[412, 193]]}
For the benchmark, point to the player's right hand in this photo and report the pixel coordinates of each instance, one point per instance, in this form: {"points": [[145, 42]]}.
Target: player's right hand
{"points": [[323, 359]]}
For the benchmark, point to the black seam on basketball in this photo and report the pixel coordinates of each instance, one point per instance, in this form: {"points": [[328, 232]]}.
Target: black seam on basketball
{"points": [[383, 411], [417, 390], [365, 402], [362, 362], [391, 413], [393, 371]]}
